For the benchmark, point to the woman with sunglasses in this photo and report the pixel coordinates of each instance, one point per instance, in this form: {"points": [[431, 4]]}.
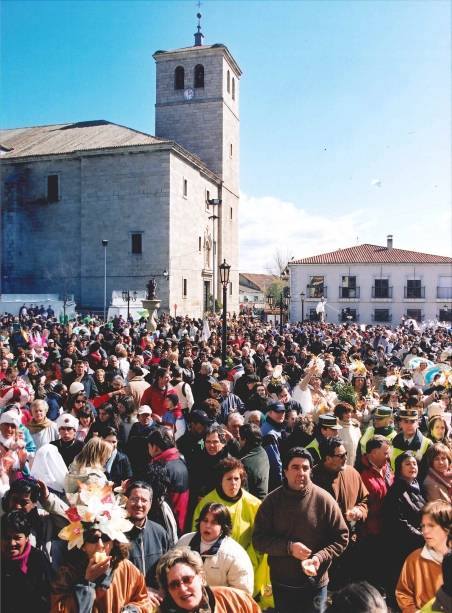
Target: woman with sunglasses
{"points": [[96, 574], [180, 575]]}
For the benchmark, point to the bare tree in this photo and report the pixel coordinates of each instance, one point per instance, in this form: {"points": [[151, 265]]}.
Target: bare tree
{"points": [[278, 263]]}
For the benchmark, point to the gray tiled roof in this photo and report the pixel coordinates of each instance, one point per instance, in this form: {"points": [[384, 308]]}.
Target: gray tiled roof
{"points": [[70, 138]]}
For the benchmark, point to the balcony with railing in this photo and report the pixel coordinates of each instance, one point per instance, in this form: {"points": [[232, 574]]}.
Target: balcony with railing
{"points": [[348, 318], [315, 292], [348, 293], [414, 293], [444, 293], [381, 293]]}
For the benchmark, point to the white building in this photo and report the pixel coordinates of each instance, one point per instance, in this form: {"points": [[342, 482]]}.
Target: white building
{"points": [[371, 284]]}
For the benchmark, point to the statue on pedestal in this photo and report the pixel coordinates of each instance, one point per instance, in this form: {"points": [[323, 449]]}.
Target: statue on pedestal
{"points": [[151, 288]]}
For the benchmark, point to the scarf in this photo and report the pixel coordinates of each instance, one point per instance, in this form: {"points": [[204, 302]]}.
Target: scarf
{"points": [[440, 479], [35, 427], [22, 559], [195, 545]]}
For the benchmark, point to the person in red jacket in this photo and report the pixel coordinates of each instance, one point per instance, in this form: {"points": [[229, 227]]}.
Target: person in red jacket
{"points": [[377, 476], [156, 395], [162, 448]]}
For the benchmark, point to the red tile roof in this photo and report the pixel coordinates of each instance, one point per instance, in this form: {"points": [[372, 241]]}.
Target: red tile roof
{"points": [[259, 281], [373, 254]]}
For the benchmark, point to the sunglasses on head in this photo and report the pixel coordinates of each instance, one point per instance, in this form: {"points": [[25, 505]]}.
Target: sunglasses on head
{"points": [[94, 538], [185, 580]]}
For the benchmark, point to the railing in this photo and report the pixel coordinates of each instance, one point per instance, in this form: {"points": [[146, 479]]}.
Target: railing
{"points": [[348, 292], [381, 292], [444, 293], [416, 318], [317, 291], [414, 292], [381, 318]]}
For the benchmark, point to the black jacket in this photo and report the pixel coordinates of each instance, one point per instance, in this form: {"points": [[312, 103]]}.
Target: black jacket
{"points": [[147, 545], [120, 469], [68, 451], [257, 468], [29, 592]]}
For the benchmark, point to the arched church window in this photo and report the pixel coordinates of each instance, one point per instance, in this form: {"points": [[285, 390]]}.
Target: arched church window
{"points": [[233, 88], [228, 82], [199, 75], [179, 77]]}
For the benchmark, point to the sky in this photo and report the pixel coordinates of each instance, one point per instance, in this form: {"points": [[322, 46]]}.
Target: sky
{"points": [[345, 105]]}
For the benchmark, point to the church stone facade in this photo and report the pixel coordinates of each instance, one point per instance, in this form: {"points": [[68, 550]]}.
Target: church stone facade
{"points": [[67, 187]]}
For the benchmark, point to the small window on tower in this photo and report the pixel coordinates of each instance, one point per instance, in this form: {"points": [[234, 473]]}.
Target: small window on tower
{"points": [[184, 288], [179, 78], [199, 75], [53, 188], [230, 150], [137, 243], [228, 82], [185, 192], [199, 244], [233, 88], [230, 213]]}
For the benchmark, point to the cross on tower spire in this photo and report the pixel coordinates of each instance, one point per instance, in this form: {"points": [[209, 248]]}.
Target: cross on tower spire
{"points": [[199, 35]]}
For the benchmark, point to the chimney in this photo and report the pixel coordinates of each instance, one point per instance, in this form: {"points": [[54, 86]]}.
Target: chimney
{"points": [[389, 241]]}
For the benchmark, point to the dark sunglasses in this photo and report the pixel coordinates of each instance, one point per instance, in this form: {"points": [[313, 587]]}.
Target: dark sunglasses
{"points": [[185, 580], [93, 538], [84, 414]]}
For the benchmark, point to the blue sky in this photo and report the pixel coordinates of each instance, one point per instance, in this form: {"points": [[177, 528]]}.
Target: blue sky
{"points": [[345, 105]]}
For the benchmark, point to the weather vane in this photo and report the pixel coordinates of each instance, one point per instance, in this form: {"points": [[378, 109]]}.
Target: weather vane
{"points": [[199, 35]]}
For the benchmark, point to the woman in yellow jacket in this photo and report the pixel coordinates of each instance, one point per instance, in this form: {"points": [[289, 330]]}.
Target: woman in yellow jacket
{"points": [[243, 507]]}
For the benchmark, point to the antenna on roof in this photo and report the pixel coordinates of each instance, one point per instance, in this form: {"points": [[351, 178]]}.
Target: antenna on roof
{"points": [[199, 35]]}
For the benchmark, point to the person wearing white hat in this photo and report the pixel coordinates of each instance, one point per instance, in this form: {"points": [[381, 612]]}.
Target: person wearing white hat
{"points": [[67, 445], [13, 455]]}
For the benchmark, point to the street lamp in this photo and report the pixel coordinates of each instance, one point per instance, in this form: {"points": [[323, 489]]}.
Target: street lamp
{"points": [[302, 297], [224, 279], [128, 296], [104, 245]]}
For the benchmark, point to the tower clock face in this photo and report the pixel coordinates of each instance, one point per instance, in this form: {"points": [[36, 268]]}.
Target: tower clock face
{"points": [[188, 94]]}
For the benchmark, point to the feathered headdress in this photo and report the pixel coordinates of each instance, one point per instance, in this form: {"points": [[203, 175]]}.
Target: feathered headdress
{"points": [[95, 508], [358, 369]]}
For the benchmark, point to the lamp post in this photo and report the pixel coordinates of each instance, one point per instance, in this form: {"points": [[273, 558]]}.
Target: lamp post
{"points": [[224, 279], [270, 303], [128, 296], [281, 306], [104, 245], [302, 297]]}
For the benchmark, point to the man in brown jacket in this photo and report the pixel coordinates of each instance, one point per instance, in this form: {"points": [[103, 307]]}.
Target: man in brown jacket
{"points": [[301, 528]]}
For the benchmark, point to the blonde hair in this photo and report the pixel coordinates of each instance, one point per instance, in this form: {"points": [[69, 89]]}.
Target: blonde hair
{"points": [[178, 555], [94, 454], [40, 404]]}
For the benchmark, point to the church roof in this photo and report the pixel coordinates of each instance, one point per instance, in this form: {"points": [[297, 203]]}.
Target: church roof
{"points": [[373, 254], [70, 138]]}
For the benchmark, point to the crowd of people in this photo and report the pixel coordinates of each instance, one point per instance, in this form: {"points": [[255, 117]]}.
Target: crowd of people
{"points": [[309, 472]]}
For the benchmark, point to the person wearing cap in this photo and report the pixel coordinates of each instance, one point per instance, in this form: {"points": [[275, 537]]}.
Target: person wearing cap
{"points": [[383, 426], [67, 445], [80, 375], [410, 438], [272, 434], [136, 446], [328, 426]]}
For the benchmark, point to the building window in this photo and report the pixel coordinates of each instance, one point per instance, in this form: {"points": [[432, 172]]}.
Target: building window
{"points": [[316, 287], [199, 244], [199, 75], [414, 289], [137, 243], [53, 188], [445, 314], [233, 88], [184, 288], [230, 213], [313, 315], [348, 288], [444, 289], [230, 150], [381, 315], [185, 188], [381, 289], [230, 289], [348, 315], [415, 314], [179, 78], [228, 81]]}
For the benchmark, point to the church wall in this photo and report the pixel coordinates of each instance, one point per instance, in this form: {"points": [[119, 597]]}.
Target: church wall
{"points": [[124, 193], [189, 222], [41, 244]]}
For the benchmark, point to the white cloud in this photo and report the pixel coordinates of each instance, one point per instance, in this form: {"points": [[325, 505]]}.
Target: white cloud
{"points": [[268, 224]]}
